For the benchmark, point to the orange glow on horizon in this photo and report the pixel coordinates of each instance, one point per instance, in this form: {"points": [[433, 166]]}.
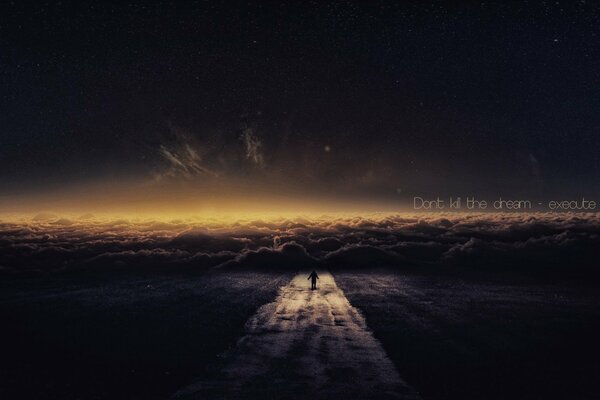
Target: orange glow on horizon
{"points": [[177, 200]]}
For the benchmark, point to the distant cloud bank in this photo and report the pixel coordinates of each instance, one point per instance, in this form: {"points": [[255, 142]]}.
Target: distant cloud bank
{"points": [[48, 243]]}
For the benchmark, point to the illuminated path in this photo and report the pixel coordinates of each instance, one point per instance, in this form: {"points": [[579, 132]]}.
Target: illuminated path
{"points": [[308, 344]]}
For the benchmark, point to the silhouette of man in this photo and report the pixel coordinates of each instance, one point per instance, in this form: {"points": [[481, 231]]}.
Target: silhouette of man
{"points": [[313, 280]]}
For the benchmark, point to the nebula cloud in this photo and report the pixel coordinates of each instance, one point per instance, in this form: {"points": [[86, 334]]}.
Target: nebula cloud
{"points": [[49, 243]]}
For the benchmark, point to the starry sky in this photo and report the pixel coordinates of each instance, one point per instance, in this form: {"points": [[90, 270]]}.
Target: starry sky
{"points": [[378, 100]]}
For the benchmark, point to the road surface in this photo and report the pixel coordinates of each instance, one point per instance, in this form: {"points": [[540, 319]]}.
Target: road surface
{"points": [[307, 344]]}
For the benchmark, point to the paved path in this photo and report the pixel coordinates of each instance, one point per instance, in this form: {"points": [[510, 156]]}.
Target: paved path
{"points": [[308, 344]]}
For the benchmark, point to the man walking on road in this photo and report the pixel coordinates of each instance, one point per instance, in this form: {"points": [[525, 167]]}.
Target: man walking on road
{"points": [[313, 277]]}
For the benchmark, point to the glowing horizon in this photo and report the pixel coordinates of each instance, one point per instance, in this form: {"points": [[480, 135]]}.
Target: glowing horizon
{"points": [[182, 198]]}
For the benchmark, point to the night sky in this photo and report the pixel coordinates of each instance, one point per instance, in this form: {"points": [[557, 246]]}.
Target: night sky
{"points": [[373, 100]]}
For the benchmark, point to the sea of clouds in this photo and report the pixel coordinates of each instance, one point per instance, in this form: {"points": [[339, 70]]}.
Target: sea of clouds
{"points": [[47, 243]]}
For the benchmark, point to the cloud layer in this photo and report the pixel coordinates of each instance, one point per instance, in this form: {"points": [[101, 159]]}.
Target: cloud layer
{"points": [[51, 243]]}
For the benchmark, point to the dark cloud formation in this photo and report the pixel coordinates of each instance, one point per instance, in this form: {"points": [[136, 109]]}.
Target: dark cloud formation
{"points": [[289, 255], [52, 243]]}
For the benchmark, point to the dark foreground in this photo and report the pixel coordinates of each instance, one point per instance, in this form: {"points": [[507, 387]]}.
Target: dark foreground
{"points": [[121, 337], [145, 337], [485, 339]]}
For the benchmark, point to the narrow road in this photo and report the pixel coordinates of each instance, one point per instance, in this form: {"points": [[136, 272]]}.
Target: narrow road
{"points": [[307, 344]]}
